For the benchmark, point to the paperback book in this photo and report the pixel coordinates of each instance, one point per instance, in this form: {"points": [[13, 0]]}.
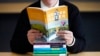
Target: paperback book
{"points": [[49, 22]]}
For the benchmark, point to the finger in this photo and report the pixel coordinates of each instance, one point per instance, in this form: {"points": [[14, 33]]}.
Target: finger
{"points": [[38, 35], [31, 39], [65, 34]]}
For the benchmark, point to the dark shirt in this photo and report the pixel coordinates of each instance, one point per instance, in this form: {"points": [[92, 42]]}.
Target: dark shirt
{"points": [[19, 42]]}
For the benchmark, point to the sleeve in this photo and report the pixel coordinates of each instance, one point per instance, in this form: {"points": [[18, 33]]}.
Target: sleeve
{"points": [[76, 26], [19, 42]]}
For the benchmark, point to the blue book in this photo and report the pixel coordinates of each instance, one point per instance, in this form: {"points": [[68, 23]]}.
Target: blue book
{"points": [[50, 52], [49, 49]]}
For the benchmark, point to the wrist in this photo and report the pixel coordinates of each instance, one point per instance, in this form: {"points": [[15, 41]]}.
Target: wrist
{"points": [[72, 43]]}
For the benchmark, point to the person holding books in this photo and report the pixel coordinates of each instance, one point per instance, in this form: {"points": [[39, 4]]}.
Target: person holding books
{"points": [[24, 36]]}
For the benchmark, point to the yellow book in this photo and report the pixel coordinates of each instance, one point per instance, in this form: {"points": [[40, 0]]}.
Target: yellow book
{"points": [[49, 21]]}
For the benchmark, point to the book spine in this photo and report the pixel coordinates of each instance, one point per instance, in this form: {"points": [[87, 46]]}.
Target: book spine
{"points": [[50, 49], [49, 54], [49, 46]]}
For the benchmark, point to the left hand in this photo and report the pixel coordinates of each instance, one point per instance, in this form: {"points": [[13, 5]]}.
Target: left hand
{"points": [[67, 35]]}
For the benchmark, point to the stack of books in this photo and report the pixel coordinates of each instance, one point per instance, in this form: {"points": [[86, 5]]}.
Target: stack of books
{"points": [[49, 49]]}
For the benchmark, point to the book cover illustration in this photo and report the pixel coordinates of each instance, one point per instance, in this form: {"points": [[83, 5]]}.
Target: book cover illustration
{"points": [[49, 22]]}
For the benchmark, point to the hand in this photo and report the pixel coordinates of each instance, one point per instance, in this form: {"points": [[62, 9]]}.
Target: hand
{"points": [[67, 35], [32, 35]]}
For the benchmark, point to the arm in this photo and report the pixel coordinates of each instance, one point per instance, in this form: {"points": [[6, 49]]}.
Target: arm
{"points": [[75, 25], [19, 42]]}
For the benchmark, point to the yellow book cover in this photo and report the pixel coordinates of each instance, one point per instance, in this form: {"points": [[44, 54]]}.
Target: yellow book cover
{"points": [[49, 21]]}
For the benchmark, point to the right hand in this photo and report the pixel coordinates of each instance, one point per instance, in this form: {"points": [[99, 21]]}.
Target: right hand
{"points": [[33, 34]]}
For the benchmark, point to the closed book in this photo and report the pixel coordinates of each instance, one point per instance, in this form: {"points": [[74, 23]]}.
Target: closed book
{"points": [[50, 49], [49, 45], [49, 54]]}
